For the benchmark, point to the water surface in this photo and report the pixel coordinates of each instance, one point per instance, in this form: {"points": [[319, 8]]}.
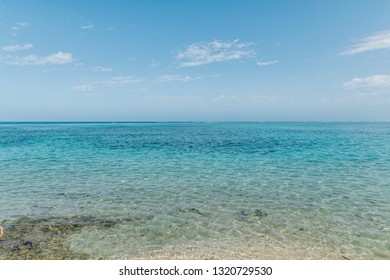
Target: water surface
{"points": [[164, 189]]}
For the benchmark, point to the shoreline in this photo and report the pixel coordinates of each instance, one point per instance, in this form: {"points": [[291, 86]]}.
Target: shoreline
{"points": [[48, 239], [240, 249]]}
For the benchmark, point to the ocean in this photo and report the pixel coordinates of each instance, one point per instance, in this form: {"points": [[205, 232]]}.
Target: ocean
{"points": [[195, 190]]}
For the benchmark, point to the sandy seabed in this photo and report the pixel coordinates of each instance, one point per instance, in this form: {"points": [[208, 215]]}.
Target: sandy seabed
{"points": [[240, 249], [48, 238]]}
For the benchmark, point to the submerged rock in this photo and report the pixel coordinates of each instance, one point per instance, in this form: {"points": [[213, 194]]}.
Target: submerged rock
{"points": [[192, 210], [44, 238], [258, 213], [251, 214]]}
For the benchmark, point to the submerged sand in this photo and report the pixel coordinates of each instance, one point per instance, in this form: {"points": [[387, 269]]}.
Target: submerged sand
{"points": [[47, 238], [244, 249]]}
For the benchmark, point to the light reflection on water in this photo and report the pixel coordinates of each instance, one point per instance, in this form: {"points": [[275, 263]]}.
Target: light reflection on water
{"points": [[172, 185]]}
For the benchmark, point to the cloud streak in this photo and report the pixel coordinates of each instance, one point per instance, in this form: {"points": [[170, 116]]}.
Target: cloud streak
{"points": [[14, 48], [109, 83], [172, 78], [22, 24], [177, 78], [377, 41], [266, 63], [180, 78], [16, 27], [85, 27], [82, 88], [214, 51], [375, 81], [53, 59], [121, 81], [101, 69]]}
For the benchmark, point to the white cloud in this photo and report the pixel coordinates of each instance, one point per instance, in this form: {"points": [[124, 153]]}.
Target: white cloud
{"points": [[214, 51], [82, 88], [377, 41], [375, 81], [57, 58], [22, 24], [101, 69], [180, 78], [266, 63], [154, 64], [121, 81], [110, 83], [88, 26], [172, 78], [17, 27], [13, 48]]}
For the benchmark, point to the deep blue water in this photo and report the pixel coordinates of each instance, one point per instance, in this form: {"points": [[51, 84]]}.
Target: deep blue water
{"points": [[320, 185]]}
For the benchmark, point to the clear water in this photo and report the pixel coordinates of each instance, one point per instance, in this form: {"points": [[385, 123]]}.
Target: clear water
{"points": [[322, 189]]}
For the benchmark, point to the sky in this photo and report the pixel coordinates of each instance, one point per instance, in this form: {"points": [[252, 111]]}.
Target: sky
{"points": [[199, 60]]}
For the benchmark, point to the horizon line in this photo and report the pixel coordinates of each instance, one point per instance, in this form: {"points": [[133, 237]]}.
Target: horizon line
{"points": [[224, 121]]}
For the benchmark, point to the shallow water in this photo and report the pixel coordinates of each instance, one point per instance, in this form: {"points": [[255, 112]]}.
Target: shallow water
{"points": [[169, 189]]}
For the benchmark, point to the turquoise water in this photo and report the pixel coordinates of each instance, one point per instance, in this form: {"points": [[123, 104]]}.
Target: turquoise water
{"points": [[322, 189]]}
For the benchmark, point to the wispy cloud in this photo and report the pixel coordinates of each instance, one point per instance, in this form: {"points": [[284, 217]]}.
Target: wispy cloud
{"points": [[121, 81], [172, 78], [375, 81], [154, 64], [16, 27], [19, 25], [22, 24], [180, 78], [57, 58], [266, 63], [101, 69], [14, 48], [377, 41], [87, 26], [214, 51], [109, 83], [83, 88]]}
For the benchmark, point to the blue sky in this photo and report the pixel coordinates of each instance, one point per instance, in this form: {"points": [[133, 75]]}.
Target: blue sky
{"points": [[194, 60]]}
